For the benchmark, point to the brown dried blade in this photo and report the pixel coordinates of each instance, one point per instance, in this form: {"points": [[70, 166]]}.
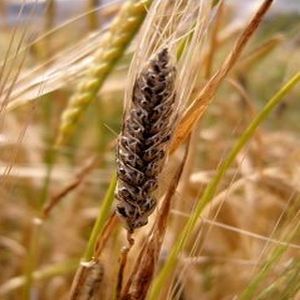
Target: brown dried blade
{"points": [[123, 262], [198, 107], [106, 234], [79, 177]]}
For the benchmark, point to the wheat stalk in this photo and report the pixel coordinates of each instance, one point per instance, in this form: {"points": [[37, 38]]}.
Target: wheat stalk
{"points": [[87, 280], [112, 47]]}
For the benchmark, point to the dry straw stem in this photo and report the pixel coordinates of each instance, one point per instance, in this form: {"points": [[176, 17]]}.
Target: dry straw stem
{"points": [[79, 178], [102, 239], [87, 281], [112, 47], [197, 108], [211, 189], [141, 276], [89, 275], [122, 265]]}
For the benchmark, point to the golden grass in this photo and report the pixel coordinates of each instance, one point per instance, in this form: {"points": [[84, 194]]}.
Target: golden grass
{"points": [[227, 220]]}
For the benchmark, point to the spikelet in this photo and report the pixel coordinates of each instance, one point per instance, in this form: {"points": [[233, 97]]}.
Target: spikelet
{"points": [[147, 129], [112, 47]]}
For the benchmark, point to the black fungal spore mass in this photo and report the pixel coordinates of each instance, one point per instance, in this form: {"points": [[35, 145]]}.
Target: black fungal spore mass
{"points": [[146, 132]]}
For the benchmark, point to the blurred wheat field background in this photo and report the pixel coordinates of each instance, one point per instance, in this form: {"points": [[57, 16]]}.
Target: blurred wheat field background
{"points": [[226, 222]]}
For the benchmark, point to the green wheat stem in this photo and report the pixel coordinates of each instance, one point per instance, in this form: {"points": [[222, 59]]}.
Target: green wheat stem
{"points": [[292, 284], [103, 215], [111, 49], [285, 286], [210, 190], [277, 253], [251, 289]]}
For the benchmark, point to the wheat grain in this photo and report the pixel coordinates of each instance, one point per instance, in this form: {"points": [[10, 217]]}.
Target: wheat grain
{"points": [[141, 150]]}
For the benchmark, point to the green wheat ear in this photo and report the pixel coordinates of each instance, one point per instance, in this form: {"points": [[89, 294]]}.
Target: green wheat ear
{"points": [[112, 46]]}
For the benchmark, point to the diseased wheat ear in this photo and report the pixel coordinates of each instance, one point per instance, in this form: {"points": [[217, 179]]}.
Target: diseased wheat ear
{"points": [[141, 150], [112, 47]]}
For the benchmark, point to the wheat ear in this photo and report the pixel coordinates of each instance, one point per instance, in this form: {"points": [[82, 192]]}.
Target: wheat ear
{"points": [[147, 128], [112, 47]]}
